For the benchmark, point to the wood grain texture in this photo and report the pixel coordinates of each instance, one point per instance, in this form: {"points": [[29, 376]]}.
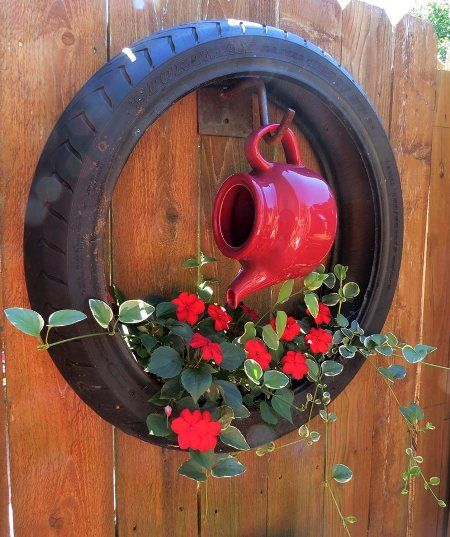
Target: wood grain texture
{"points": [[303, 19], [227, 502], [434, 446], [154, 222], [4, 492], [413, 97], [4, 486], [60, 451], [365, 30], [295, 489]]}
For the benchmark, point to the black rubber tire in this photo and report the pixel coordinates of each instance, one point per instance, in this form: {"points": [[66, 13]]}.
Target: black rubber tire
{"points": [[76, 175]]}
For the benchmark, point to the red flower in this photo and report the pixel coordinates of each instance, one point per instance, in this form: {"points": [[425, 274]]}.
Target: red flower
{"points": [[256, 350], [189, 307], [294, 363], [251, 313], [324, 315], [196, 430], [221, 318], [210, 350], [291, 331], [318, 340]]}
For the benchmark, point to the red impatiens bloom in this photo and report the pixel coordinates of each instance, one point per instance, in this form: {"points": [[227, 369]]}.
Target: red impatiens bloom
{"points": [[318, 340], [251, 313], [210, 350], [189, 307], [294, 364], [291, 331], [256, 350], [221, 318], [324, 315], [196, 430]]}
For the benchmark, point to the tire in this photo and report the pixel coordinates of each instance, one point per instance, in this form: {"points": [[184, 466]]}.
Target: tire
{"points": [[77, 172]]}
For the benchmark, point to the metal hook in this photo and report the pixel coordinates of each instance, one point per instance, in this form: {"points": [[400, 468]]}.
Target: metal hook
{"points": [[258, 86]]}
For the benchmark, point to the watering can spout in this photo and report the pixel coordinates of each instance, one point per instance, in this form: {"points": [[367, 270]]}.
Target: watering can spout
{"points": [[247, 281]]}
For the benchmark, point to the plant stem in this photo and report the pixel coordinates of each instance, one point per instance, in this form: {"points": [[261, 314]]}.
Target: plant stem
{"points": [[48, 345], [326, 482], [436, 365], [313, 402]]}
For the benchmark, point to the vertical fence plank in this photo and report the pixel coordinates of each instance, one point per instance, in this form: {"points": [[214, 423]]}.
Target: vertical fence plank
{"points": [[4, 493], [413, 95], [60, 451], [158, 193], [365, 31], [296, 504], [427, 519]]}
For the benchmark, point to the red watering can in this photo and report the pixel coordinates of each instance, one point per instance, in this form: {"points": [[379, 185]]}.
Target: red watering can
{"points": [[279, 220]]}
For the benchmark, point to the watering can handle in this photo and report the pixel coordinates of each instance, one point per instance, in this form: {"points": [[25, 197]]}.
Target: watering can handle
{"points": [[289, 142]]}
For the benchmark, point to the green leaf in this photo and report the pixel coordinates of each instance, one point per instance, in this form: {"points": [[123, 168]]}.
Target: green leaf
{"points": [[351, 519], [303, 431], [330, 281], [270, 337], [249, 332], [196, 381], [191, 263], [285, 291], [165, 309], [253, 370], [416, 354], [331, 299], [347, 351], [157, 425], [412, 413], [172, 389], [313, 369], [241, 412], [385, 350], [230, 393], [101, 311], [165, 362], [267, 414], [65, 317], [205, 459], [424, 349], [350, 290], [227, 466], [148, 341], [206, 260], [340, 271], [441, 503], [330, 368], [314, 280], [281, 322], [233, 437], [233, 356], [341, 473], [312, 303], [192, 470], [275, 380], [27, 321], [393, 372], [434, 481], [341, 320], [134, 311], [391, 339], [225, 415], [181, 329], [314, 436], [282, 403]]}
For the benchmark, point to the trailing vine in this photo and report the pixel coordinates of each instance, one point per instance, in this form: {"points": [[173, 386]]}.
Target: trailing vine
{"points": [[216, 365]]}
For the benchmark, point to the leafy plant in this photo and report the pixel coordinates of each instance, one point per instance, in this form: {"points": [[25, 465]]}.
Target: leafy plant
{"points": [[215, 365]]}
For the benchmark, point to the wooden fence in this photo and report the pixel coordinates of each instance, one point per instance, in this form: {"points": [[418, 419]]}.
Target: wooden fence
{"points": [[66, 472]]}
